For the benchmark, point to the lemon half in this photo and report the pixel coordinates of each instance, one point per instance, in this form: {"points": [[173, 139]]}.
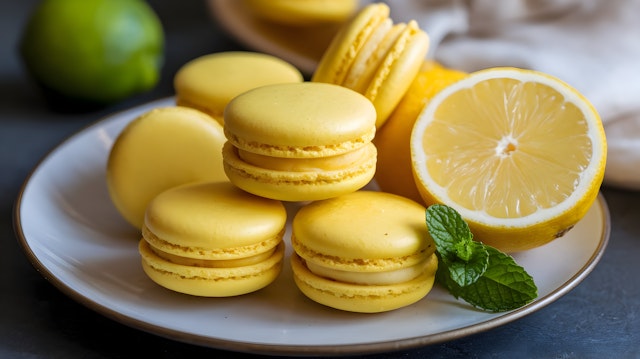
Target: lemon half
{"points": [[518, 153]]}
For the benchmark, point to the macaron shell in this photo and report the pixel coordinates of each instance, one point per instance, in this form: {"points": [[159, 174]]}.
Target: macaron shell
{"points": [[211, 282], [213, 220], [298, 186], [364, 231], [163, 148], [209, 82], [363, 298], [343, 49], [300, 120]]}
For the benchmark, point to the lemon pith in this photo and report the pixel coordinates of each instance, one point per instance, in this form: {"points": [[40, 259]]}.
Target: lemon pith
{"points": [[518, 153]]}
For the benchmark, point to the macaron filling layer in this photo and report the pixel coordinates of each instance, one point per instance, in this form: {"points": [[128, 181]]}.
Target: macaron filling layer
{"points": [[211, 263], [308, 150], [209, 254], [365, 67], [362, 298], [367, 21], [358, 264], [322, 164], [210, 281], [372, 65], [408, 33], [370, 278], [371, 55]]}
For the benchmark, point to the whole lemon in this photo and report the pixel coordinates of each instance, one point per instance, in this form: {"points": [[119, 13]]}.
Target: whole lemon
{"points": [[93, 51]]}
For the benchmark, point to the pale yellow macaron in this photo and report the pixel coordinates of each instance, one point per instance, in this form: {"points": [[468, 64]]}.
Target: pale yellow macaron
{"points": [[212, 239], [162, 148], [302, 12], [300, 142], [363, 252], [375, 57], [209, 82]]}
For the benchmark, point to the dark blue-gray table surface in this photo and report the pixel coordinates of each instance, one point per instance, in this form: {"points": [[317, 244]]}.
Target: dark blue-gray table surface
{"points": [[600, 318]]}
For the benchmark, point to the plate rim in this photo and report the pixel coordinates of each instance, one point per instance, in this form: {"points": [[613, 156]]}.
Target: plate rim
{"points": [[287, 349]]}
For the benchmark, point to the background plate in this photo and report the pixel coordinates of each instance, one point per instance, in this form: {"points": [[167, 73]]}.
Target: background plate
{"points": [[75, 238], [301, 46]]}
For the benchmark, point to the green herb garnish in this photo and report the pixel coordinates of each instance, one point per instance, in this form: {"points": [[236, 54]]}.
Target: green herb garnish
{"points": [[479, 274]]}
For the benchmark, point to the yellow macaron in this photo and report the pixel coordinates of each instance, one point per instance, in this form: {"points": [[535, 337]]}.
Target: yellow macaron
{"points": [[302, 13], [212, 239], [363, 252], [160, 149], [209, 82], [375, 57], [300, 142]]}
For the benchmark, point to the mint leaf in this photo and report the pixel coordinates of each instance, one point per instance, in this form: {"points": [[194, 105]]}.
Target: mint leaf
{"points": [[468, 272], [503, 286], [479, 274], [465, 259], [447, 228]]}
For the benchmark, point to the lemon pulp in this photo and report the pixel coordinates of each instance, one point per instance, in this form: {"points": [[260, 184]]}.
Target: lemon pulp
{"points": [[518, 153]]}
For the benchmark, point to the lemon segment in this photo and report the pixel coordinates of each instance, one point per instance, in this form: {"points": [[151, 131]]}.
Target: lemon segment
{"points": [[518, 153]]}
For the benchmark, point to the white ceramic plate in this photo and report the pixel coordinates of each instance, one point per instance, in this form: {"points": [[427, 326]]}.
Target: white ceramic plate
{"points": [[74, 236]]}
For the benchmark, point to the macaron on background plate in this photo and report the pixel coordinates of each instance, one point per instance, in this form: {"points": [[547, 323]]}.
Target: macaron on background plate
{"points": [[209, 82], [375, 57], [363, 252], [160, 149], [300, 142], [302, 46], [302, 13], [212, 239]]}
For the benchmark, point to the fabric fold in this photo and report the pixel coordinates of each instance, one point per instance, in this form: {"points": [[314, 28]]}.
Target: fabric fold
{"points": [[592, 45]]}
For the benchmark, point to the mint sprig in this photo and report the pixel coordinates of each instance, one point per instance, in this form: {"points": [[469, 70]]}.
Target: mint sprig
{"points": [[465, 259], [479, 274]]}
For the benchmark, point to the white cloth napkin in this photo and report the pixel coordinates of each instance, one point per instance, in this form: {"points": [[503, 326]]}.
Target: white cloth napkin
{"points": [[593, 45]]}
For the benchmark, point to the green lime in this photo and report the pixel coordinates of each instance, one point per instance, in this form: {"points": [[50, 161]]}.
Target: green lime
{"points": [[93, 51]]}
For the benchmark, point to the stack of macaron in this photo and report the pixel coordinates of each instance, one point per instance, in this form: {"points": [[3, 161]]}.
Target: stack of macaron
{"points": [[212, 239], [363, 252], [162, 152], [205, 180], [300, 142]]}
